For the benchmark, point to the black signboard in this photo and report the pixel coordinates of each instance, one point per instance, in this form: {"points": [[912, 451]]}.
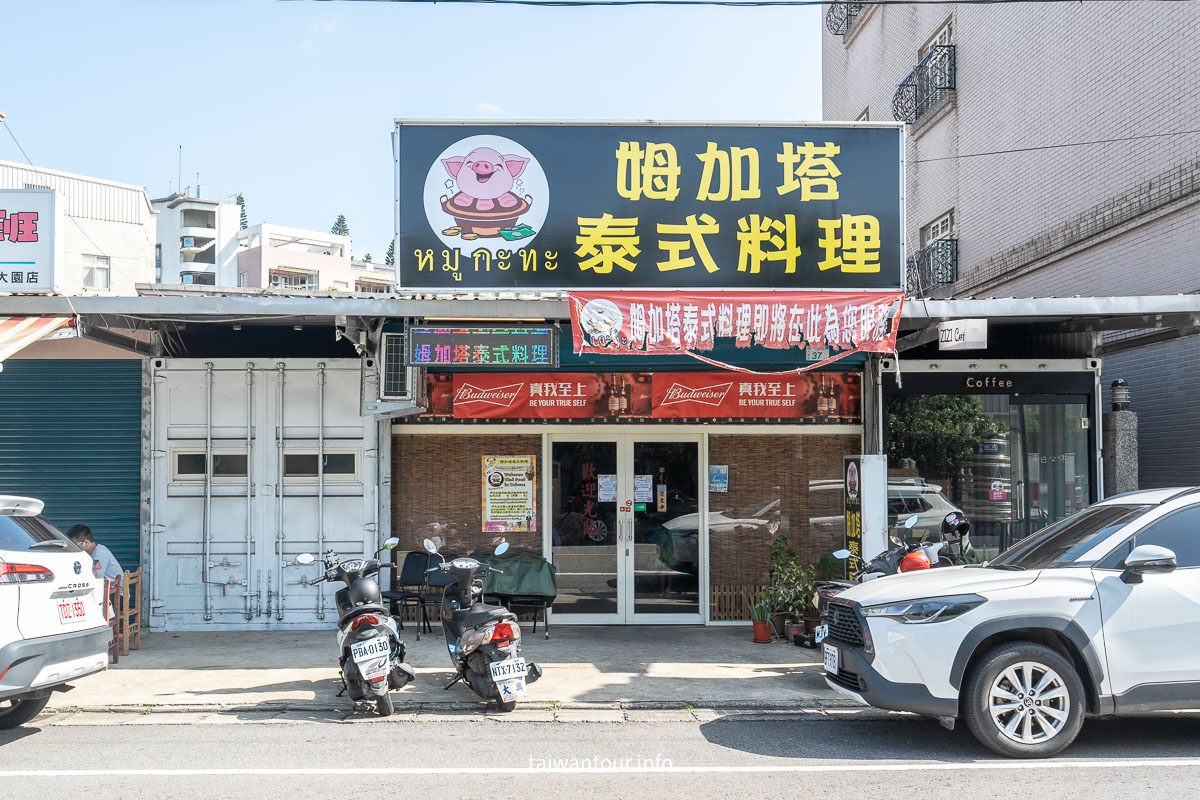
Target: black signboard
{"points": [[852, 479], [482, 347], [537, 206]]}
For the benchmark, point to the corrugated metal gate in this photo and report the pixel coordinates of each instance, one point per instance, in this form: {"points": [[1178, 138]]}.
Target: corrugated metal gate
{"points": [[71, 435]]}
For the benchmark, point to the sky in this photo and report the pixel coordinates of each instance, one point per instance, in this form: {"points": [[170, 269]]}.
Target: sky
{"points": [[292, 103]]}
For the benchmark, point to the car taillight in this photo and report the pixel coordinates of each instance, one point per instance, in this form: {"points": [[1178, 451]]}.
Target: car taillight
{"points": [[24, 573], [503, 633], [365, 619]]}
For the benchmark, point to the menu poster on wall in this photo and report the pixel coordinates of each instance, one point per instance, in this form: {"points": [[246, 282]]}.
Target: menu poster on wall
{"points": [[643, 488], [509, 494], [607, 488], [853, 511], [718, 477]]}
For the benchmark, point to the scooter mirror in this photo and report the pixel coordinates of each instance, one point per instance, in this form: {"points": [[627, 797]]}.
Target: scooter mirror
{"points": [[429, 546], [501, 548], [842, 554], [896, 541], [912, 521], [390, 544], [305, 558]]}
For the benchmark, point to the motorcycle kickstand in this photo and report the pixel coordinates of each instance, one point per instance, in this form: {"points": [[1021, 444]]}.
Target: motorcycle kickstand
{"points": [[457, 678], [342, 691]]}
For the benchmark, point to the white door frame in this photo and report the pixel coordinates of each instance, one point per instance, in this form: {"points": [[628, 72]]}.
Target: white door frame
{"points": [[624, 441]]}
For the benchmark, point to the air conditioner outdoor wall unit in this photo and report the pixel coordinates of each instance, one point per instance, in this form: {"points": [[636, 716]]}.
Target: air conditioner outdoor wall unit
{"points": [[396, 381]]}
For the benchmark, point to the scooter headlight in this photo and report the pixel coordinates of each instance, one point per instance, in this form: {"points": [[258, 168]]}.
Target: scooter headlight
{"points": [[929, 609]]}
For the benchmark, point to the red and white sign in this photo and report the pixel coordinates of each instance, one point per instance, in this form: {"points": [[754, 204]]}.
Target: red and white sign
{"points": [[656, 323], [29, 249], [833, 397]]}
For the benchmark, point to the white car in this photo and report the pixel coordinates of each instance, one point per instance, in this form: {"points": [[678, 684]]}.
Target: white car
{"points": [[1096, 614], [52, 628]]}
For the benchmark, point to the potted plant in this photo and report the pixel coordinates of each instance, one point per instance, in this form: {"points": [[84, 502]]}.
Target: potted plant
{"points": [[783, 564], [792, 591], [760, 615]]}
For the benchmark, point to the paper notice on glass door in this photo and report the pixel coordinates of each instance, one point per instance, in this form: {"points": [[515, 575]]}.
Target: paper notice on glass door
{"points": [[606, 488], [643, 488]]}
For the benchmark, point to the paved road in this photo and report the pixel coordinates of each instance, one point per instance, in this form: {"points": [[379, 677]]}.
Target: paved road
{"points": [[826, 756]]}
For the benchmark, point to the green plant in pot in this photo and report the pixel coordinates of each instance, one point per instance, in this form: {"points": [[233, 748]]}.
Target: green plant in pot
{"points": [[783, 563], [759, 606], [793, 588]]}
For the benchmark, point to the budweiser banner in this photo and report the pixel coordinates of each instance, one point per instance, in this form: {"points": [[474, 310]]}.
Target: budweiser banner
{"points": [[821, 397], [672, 323]]}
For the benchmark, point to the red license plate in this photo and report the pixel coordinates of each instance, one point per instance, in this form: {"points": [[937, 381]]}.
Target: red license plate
{"points": [[71, 611]]}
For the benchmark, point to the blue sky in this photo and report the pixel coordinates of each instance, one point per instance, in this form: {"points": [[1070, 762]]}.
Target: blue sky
{"points": [[292, 103]]}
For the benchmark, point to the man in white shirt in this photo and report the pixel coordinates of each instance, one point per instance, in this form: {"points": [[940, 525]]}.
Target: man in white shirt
{"points": [[110, 568]]}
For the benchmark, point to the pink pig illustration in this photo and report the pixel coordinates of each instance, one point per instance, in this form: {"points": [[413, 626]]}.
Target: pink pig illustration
{"points": [[485, 178]]}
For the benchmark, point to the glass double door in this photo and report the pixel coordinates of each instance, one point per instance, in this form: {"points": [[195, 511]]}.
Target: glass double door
{"points": [[625, 532]]}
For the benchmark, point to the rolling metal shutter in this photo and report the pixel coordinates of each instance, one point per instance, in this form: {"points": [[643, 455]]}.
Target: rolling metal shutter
{"points": [[70, 435]]}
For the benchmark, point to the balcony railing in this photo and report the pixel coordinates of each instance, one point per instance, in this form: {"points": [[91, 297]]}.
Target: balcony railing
{"points": [[839, 19], [932, 266], [931, 82]]}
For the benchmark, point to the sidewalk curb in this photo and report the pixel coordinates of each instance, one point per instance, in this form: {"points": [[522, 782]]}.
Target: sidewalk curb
{"points": [[286, 706]]}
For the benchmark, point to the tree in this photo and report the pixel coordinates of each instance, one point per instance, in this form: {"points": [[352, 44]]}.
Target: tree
{"points": [[241, 201], [390, 258], [937, 431], [340, 228], [367, 257]]}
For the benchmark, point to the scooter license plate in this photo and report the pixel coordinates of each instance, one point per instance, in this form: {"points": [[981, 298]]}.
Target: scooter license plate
{"points": [[511, 690], [508, 670], [370, 649], [821, 632]]}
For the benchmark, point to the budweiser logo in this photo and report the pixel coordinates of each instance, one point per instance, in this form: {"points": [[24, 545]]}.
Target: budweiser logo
{"points": [[705, 395], [497, 396]]}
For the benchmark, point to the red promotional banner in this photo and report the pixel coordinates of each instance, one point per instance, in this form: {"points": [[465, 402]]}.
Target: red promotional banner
{"points": [[665, 323], [822, 397]]}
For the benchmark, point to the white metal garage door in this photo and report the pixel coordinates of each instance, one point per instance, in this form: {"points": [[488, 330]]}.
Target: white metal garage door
{"points": [[256, 462]]}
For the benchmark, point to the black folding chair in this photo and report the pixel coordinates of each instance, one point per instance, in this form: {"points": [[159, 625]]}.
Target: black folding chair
{"points": [[435, 582], [410, 582]]}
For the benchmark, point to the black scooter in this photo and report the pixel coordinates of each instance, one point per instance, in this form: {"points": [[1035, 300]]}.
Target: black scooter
{"points": [[484, 641], [371, 654]]}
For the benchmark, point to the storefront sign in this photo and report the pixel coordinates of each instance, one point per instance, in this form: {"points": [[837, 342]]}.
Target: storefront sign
{"points": [[482, 347], [27, 240], [820, 397], [668, 323], [513, 206], [949, 380], [853, 508], [962, 334], [509, 494]]}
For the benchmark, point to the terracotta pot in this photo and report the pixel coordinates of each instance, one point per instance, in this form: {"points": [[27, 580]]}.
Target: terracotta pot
{"points": [[762, 632], [794, 628], [811, 623], [777, 622]]}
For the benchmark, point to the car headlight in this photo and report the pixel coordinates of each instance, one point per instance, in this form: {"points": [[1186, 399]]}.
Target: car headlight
{"points": [[928, 609]]}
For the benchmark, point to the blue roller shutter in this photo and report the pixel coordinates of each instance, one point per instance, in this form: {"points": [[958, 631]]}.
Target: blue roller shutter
{"points": [[70, 435]]}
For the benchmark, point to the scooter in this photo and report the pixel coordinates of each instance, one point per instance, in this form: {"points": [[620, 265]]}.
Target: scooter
{"points": [[904, 557], [484, 641], [371, 654]]}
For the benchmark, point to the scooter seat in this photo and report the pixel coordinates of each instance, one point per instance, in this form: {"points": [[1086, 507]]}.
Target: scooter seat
{"points": [[482, 615], [366, 608]]}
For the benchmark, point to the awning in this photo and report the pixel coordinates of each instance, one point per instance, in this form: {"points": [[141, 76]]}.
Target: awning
{"points": [[17, 333]]}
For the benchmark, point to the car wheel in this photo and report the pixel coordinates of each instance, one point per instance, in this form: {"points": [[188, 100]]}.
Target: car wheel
{"points": [[1024, 700], [18, 712]]}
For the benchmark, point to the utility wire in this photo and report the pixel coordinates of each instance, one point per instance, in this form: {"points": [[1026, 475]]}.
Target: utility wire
{"points": [[1055, 146], [14, 138]]}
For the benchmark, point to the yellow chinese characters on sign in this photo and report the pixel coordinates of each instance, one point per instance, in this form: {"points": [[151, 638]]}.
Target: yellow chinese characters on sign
{"points": [[607, 241], [735, 172], [851, 243], [810, 169], [755, 230], [695, 229], [652, 172]]}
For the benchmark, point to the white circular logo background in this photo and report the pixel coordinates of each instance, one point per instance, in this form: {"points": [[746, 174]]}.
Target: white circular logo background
{"points": [[530, 185]]}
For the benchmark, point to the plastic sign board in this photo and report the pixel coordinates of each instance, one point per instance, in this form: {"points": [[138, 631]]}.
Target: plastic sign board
{"points": [[29, 245], [962, 334], [649, 206]]}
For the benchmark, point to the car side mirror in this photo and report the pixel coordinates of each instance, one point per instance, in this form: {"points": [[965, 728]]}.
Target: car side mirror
{"points": [[1147, 558]]}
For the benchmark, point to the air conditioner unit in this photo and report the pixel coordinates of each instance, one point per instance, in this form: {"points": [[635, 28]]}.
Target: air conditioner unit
{"points": [[396, 381]]}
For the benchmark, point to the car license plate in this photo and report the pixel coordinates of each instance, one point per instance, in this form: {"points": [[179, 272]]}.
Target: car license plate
{"points": [[508, 670], [831, 659], [71, 610], [370, 649], [821, 632]]}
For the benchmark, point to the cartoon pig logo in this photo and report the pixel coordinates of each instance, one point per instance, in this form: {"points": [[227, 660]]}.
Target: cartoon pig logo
{"points": [[485, 178]]}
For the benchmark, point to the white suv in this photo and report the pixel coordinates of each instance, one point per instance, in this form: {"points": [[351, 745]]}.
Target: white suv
{"points": [[52, 629], [1097, 614]]}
